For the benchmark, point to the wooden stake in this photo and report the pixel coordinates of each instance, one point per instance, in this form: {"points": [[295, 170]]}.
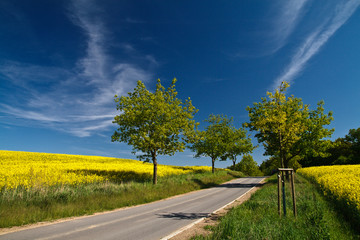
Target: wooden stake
{"points": [[282, 173], [293, 192], [279, 197], [283, 192]]}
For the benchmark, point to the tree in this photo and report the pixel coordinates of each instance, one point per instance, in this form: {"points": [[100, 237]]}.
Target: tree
{"points": [[344, 150], [154, 123], [238, 143], [353, 139], [213, 141], [287, 128], [270, 166], [248, 166]]}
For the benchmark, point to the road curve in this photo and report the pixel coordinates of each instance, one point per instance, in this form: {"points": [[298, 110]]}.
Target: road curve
{"points": [[149, 221]]}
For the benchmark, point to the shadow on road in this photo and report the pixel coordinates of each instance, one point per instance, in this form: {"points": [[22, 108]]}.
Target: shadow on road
{"points": [[237, 185], [226, 185], [204, 185], [184, 216]]}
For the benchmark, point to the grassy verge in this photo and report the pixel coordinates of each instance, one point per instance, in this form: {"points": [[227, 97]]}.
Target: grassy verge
{"points": [[20, 206], [258, 218]]}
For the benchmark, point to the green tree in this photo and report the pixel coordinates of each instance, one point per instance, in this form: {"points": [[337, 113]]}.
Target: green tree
{"points": [[338, 153], [248, 166], [238, 143], [154, 123], [213, 141], [287, 128], [270, 166], [346, 150], [353, 139]]}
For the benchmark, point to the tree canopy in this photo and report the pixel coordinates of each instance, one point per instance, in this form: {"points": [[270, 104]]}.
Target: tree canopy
{"points": [[248, 166], [353, 139], [213, 141], [344, 150], [221, 140], [154, 123], [287, 128], [238, 143]]}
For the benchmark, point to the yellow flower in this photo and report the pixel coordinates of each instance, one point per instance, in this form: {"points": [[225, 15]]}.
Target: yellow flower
{"points": [[36, 170], [340, 181]]}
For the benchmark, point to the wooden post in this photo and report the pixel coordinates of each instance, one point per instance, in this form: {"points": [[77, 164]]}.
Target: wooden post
{"points": [[282, 172], [283, 192], [293, 192], [279, 193]]}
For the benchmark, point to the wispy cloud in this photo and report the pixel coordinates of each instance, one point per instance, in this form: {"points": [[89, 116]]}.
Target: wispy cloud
{"points": [[26, 114], [78, 100], [288, 14], [273, 31], [93, 65], [316, 39]]}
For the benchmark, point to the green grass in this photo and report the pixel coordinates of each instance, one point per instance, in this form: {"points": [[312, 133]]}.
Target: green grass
{"points": [[20, 206], [258, 218]]}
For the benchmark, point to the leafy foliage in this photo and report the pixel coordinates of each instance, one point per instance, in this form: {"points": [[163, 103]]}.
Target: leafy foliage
{"points": [[238, 143], [344, 150], [213, 141], [154, 123], [353, 139], [270, 166], [287, 128], [248, 166], [221, 140]]}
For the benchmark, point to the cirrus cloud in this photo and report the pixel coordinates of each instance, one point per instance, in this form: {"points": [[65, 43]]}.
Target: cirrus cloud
{"points": [[317, 39], [78, 101]]}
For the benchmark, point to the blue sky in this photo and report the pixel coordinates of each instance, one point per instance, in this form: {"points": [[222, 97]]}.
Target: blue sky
{"points": [[62, 62]]}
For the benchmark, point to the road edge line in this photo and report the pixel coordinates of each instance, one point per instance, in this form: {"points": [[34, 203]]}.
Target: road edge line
{"points": [[173, 234], [8, 230]]}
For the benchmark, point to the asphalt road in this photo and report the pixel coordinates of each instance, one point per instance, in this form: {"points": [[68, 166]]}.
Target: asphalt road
{"points": [[150, 221]]}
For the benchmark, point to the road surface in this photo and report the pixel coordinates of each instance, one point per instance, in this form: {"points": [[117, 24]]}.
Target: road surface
{"points": [[146, 222]]}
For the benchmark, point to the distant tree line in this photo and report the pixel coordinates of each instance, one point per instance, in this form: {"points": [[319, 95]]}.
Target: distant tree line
{"points": [[248, 166], [342, 151]]}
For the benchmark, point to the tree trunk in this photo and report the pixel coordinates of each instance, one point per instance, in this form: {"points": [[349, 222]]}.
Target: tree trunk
{"points": [[286, 165], [234, 162], [286, 162], [281, 151], [213, 165], [155, 167], [282, 159]]}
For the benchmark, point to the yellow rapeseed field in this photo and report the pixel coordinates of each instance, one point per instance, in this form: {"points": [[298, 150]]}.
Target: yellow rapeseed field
{"points": [[29, 170], [339, 181]]}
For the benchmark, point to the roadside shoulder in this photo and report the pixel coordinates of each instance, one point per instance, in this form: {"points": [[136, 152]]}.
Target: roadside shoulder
{"points": [[203, 226]]}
